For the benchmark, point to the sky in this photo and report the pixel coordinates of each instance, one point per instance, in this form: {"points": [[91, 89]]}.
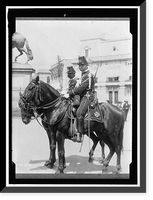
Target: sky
{"points": [[50, 38]]}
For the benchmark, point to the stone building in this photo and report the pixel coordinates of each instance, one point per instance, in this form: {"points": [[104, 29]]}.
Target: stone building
{"points": [[44, 75], [59, 79], [112, 59]]}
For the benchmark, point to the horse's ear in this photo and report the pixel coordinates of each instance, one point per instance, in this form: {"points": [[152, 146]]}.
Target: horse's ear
{"points": [[36, 80]]}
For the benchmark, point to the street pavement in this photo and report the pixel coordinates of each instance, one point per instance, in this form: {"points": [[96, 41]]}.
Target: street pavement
{"points": [[30, 150]]}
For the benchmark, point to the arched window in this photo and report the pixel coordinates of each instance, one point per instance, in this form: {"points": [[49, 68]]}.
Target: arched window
{"points": [[110, 96], [115, 96], [86, 53], [48, 79]]}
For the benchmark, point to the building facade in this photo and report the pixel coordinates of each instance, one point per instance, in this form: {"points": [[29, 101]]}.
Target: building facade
{"points": [[44, 75], [112, 59], [59, 79]]}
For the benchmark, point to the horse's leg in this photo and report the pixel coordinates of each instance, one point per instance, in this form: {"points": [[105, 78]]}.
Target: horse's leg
{"points": [[61, 152], [23, 50], [108, 158], [106, 139], [118, 149], [52, 145], [118, 166], [102, 144], [49, 160], [95, 141], [52, 148], [19, 54]]}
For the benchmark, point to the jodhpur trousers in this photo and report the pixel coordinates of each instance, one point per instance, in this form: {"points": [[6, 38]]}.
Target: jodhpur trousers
{"points": [[81, 111]]}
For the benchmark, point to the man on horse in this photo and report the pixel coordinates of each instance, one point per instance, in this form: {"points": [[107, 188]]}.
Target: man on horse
{"points": [[72, 84], [85, 90], [126, 108]]}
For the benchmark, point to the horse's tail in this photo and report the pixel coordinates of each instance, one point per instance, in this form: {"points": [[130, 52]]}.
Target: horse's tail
{"points": [[29, 49], [120, 137]]}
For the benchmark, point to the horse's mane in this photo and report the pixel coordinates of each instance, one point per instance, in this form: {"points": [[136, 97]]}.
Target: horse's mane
{"points": [[53, 90]]}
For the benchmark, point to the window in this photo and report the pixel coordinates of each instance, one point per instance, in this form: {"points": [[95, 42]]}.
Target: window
{"points": [[113, 79], [48, 79], [115, 96], [114, 48], [110, 96], [86, 53]]}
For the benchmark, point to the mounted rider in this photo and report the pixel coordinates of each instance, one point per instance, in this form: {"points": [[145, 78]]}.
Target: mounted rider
{"points": [[72, 84], [126, 108], [85, 90]]}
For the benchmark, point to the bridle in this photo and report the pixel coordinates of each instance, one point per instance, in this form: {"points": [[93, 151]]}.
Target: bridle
{"points": [[27, 103]]}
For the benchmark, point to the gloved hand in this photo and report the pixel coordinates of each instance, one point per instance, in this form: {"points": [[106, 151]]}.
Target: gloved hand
{"points": [[66, 95], [71, 93]]}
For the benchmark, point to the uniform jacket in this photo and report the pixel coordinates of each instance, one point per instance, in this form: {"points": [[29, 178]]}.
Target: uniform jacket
{"points": [[84, 85], [72, 84]]}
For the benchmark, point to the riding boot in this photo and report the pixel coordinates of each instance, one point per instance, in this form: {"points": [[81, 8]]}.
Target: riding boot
{"points": [[80, 129]]}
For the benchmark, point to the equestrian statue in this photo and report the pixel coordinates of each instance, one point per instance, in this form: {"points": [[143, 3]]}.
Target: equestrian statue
{"points": [[21, 43]]}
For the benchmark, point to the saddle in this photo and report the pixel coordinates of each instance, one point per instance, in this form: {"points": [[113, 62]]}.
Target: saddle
{"points": [[95, 114]]}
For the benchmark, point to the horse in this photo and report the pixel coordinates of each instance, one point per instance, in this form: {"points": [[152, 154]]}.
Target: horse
{"points": [[41, 99], [19, 41]]}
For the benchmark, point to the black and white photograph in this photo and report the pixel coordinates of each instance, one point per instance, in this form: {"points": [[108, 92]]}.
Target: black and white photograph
{"points": [[66, 69], [73, 100]]}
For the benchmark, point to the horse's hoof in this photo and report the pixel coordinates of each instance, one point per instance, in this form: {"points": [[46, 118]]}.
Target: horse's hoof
{"points": [[90, 159], [118, 169], [51, 166], [47, 163], [101, 161], [59, 171], [104, 170], [64, 166]]}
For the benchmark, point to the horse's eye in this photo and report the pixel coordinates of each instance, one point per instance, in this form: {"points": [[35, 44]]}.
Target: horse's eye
{"points": [[31, 87]]}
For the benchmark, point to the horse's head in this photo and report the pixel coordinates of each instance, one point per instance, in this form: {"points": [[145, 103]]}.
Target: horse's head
{"points": [[29, 100], [36, 95], [29, 54]]}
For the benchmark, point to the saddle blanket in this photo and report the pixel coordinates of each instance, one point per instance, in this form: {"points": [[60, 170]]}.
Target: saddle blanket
{"points": [[95, 114]]}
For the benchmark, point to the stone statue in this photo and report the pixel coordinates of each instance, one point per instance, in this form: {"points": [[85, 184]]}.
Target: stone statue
{"points": [[19, 41]]}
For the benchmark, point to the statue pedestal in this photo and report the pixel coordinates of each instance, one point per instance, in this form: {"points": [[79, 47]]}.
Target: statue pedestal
{"points": [[21, 77]]}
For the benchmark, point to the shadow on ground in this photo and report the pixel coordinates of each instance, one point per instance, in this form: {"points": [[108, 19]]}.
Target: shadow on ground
{"points": [[75, 164]]}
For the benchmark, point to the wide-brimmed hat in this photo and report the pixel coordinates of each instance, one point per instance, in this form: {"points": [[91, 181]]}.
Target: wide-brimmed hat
{"points": [[70, 70]]}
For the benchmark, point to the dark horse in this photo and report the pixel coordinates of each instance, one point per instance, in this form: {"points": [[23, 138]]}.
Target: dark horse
{"points": [[41, 99]]}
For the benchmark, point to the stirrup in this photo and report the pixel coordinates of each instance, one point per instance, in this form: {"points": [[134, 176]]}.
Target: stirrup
{"points": [[79, 138]]}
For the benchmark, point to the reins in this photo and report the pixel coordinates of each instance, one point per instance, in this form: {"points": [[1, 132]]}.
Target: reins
{"points": [[38, 106], [46, 106], [50, 104]]}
